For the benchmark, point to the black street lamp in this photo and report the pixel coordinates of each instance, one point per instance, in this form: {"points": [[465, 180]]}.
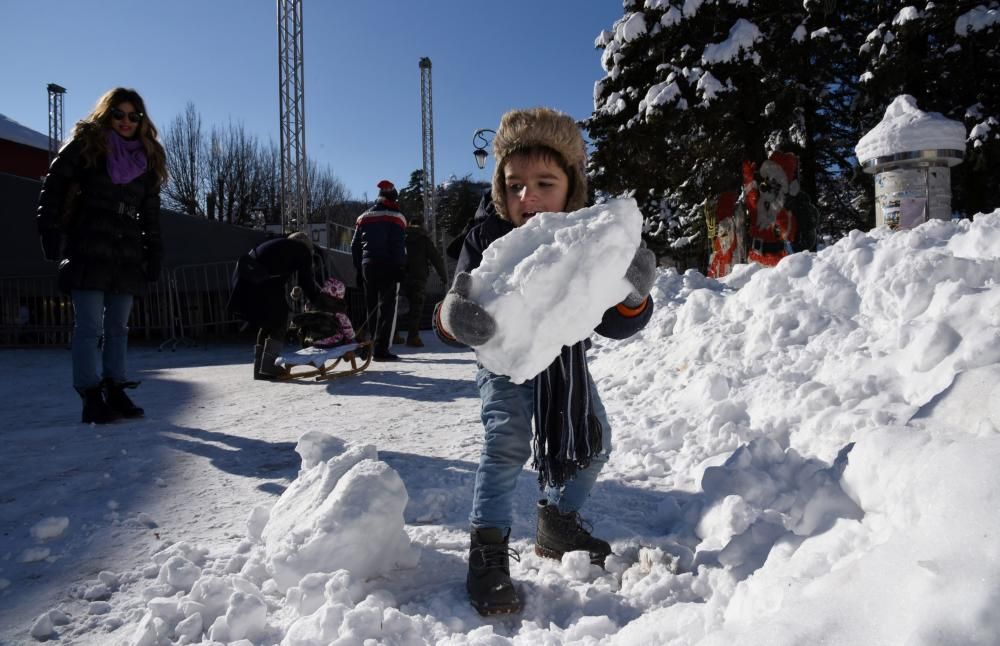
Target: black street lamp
{"points": [[480, 142]]}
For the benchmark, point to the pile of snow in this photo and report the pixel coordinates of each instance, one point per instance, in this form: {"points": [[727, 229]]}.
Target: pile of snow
{"points": [[907, 128], [548, 283], [854, 505], [338, 525]]}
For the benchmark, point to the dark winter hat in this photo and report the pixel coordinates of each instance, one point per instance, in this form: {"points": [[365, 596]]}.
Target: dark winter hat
{"points": [[524, 129], [387, 191]]}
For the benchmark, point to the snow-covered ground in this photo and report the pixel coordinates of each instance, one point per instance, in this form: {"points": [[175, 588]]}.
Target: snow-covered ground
{"points": [[803, 455]]}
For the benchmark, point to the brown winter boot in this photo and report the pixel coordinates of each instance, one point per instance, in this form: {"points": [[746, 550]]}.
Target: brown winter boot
{"points": [[414, 341]]}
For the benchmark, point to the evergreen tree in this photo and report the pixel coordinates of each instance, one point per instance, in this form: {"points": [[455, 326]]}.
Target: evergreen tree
{"points": [[457, 200], [411, 198]]}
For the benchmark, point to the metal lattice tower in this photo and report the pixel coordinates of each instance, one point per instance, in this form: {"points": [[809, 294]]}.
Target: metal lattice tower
{"points": [[292, 108], [56, 93], [427, 141]]}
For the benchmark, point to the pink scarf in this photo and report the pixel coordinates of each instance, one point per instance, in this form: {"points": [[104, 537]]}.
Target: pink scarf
{"points": [[126, 158]]}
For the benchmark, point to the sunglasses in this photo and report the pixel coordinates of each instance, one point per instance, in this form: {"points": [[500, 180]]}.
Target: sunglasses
{"points": [[134, 117]]}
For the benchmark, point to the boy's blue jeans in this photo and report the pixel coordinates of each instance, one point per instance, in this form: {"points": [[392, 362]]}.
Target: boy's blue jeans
{"points": [[507, 410], [98, 313]]}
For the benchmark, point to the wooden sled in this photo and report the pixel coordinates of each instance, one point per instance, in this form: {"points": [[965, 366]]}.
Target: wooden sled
{"points": [[323, 364]]}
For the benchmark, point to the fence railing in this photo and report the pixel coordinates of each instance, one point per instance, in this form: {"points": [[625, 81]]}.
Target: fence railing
{"points": [[187, 306]]}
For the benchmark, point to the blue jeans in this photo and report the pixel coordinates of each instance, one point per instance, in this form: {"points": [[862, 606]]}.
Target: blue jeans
{"points": [[98, 313], [507, 410]]}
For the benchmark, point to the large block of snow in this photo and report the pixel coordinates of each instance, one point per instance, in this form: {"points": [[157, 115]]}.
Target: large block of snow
{"points": [[345, 513], [548, 283]]}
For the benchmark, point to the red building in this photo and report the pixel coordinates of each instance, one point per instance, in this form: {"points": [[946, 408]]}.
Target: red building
{"points": [[23, 152]]}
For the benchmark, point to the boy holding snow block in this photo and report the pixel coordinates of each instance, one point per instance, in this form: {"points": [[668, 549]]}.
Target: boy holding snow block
{"points": [[540, 158]]}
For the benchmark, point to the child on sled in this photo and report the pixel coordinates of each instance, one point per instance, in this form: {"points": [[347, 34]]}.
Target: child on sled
{"points": [[326, 329]]}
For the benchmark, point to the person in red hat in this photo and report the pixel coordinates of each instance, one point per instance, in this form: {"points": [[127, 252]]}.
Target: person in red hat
{"points": [[379, 253]]}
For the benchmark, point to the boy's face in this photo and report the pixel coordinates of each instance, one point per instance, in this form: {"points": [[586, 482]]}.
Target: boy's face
{"points": [[533, 185]]}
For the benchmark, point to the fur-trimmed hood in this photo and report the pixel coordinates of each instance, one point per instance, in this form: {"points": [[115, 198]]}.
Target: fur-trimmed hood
{"points": [[520, 129]]}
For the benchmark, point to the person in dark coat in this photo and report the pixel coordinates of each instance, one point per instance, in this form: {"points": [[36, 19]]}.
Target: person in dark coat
{"points": [[99, 217], [263, 300], [421, 254], [379, 253], [484, 209], [540, 159]]}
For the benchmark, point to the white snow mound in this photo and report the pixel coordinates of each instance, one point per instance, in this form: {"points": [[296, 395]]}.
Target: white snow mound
{"points": [[560, 271], [344, 513], [907, 128]]}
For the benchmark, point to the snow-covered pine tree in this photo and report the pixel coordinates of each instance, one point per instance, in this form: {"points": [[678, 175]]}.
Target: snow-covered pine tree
{"points": [[668, 126], [811, 75], [693, 88], [947, 56]]}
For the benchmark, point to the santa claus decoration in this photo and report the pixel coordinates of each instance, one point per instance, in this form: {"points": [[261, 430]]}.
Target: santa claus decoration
{"points": [[726, 226], [772, 225]]}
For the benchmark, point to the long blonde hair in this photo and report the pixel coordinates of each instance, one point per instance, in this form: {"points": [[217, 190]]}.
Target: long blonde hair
{"points": [[90, 130]]}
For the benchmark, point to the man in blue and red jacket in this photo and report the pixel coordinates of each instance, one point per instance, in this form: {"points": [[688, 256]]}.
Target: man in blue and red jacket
{"points": [[379, 250]]}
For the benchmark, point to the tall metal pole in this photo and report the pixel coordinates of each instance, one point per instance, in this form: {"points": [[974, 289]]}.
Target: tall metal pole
{"points": [[56, 93], [292, 107], [427, 139]]}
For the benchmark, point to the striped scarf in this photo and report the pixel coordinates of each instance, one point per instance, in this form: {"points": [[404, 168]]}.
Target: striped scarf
{"points": [[567, 434]]}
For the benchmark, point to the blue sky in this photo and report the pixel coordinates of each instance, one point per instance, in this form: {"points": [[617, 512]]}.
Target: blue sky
{"points": [[362, 80]]}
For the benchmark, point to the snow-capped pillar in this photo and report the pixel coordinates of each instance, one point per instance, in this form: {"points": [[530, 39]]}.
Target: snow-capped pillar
{"points": [[910, 153]]}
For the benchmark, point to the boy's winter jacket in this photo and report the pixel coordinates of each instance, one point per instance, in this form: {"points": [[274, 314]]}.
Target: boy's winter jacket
{"points": [[567, 434]]}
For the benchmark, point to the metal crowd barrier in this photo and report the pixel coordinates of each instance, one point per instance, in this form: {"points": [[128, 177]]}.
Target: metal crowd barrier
{"points": [[34, 312], [187, 306], [197, 304]]}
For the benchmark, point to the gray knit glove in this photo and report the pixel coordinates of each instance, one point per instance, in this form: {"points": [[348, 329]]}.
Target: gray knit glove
{"points": [[642, 274], [463, 318]]}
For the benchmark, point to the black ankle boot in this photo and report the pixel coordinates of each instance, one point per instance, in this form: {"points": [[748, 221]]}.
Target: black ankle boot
{"points": [[119, 402], [559, 533], [270, 353], [95, 408], [491, 591], [382, 354]]}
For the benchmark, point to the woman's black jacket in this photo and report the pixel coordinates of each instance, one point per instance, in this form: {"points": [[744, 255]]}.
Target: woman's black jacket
{"points": [[110, 233]]}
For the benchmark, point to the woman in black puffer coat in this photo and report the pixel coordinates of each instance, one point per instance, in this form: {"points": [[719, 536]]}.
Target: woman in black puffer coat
{"points": [[99, 216]]}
